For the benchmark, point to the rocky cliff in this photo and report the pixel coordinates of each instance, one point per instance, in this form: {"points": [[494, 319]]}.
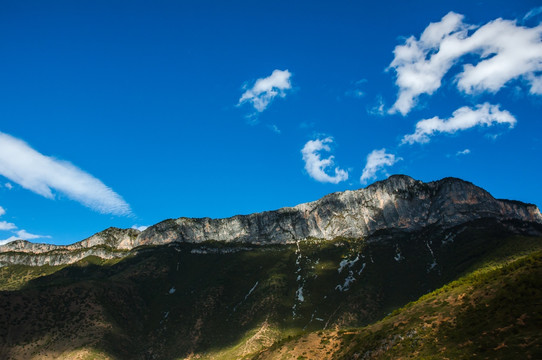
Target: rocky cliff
{"points": [[398, 202]]}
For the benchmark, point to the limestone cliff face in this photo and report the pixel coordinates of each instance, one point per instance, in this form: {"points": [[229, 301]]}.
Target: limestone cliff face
{"points": [[57, 256], [398, 202], [113, 238]]}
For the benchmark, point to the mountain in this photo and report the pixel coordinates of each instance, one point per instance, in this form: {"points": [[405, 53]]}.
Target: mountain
{"points": [[399, 202], [400, 268]]}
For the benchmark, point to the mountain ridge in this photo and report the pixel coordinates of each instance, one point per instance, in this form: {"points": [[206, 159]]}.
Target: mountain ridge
{"points": [[398, 202]]}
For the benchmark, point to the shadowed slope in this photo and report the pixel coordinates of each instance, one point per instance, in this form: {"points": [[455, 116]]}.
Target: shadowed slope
{"points": [[231, 300]]}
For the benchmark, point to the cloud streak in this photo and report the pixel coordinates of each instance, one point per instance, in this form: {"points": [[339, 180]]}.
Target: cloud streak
{"points": [[534, 12], [20, 234], [461, 119], [316, 166], [505, 51], [43, 174], [264, 90], [377, 160], [23, 235], [4, 225]]}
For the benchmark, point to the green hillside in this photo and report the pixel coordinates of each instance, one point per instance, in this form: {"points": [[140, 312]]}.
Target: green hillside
{"points": [[493, 312], [229, 301]]}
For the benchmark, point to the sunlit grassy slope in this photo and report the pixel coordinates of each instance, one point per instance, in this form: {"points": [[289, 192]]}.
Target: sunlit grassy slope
{"points": [[492, 312], [230, 301]]}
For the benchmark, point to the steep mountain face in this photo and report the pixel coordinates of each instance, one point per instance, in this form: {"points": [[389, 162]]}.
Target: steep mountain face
{"points": [[399, 202]]}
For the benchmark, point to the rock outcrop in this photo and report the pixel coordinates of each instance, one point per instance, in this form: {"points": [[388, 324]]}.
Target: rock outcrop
{"points": [[398, 202]]}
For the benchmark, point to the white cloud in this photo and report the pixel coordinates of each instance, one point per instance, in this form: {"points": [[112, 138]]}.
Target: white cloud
{"points": [[508, 52], [140, 228], [356, 89], [4, 225], [462, 119], [10, 239], [492, 137], [505, 51], [377, 160], [43, 174], [23, 235], [9, 186], [266, 89], [463, 152], [378, 108], [274, 128], [316, 167], [356, 93], [533, 13]]}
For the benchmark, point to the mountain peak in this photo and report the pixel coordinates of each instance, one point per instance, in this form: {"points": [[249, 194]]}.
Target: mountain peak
{"points": [[397, 180]]}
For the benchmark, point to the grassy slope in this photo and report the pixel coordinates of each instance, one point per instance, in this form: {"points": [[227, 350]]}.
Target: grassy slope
{"points": [[123, 309], [492, 312]]}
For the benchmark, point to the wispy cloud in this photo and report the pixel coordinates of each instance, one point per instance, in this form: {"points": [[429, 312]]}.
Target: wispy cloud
{"points": [[264, 90], [461, 119], [463, 152], [316, 166], [356, 91], [505, 50], [378, 108], [274, 128], [492, 137], [10, 239], [23, 235], [8, 186], [4, 225], [43, 174], [377, 160], [534, 12]]}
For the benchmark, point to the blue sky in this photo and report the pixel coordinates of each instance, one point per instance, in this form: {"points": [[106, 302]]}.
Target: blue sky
{"points": [[126, 113]]}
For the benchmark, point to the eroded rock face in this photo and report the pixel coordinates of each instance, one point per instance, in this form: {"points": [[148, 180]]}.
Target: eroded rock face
{"points": [[398, 202], [56, 256], [111, 237]]}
